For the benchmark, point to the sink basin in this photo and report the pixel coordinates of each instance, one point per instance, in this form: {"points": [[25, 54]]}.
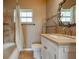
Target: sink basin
{"points": [[73, 37], [59, 37]]}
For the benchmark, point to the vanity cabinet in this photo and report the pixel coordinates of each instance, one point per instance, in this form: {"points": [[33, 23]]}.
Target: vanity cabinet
{"points": [[51, 50], [47, 50]]}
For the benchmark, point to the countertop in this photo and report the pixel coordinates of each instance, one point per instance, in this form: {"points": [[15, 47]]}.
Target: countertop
{"points": [[61, 39]]}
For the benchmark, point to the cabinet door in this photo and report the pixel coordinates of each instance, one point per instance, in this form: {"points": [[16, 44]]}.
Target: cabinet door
{"points": [[52, 55], [45, 54]]}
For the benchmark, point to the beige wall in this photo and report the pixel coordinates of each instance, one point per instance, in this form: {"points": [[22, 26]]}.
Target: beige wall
{"points": [[51, 10], [8, 25], [52, 7], [69, 3]]}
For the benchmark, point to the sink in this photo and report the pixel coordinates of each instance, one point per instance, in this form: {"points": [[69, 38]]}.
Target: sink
{"points": [[59, 37], [73, 37]]}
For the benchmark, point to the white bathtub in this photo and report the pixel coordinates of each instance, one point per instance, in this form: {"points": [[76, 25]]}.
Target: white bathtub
{"points": [[8, 48]]}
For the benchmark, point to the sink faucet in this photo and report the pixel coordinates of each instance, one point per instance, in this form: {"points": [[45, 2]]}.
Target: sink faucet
{"points": [[67, 30]]}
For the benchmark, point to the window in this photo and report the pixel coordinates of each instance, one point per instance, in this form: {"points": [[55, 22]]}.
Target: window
{"points": [[25, 15], [66, 15]]}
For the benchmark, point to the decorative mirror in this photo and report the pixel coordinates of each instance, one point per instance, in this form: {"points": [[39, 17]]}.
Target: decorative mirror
{"points": [[66, 12]]}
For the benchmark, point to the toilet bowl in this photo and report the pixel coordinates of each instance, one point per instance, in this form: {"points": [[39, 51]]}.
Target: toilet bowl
{"points": [[37, 50]]}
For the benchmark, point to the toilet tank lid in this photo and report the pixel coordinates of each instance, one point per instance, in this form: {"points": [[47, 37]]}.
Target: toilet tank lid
{"points": [[36, 45]]}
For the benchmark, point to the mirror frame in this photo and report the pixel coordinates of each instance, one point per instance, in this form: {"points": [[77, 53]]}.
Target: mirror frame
{"points": [[59, 13]]}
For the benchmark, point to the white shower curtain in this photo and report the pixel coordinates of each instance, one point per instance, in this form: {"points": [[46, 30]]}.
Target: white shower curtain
{"points": [[19, 32]]}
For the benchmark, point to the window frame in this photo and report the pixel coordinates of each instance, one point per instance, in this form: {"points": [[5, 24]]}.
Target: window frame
{"points": [[66, 10], [24, 10]]}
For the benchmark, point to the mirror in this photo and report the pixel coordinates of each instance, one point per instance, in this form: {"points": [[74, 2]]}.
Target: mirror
{"points": [[67, 12]]}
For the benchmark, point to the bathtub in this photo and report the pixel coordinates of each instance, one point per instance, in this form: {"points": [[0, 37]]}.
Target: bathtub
{"points": [[8, 49]]}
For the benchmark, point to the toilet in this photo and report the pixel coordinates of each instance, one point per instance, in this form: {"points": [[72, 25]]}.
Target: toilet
{"points": [[37, 51]]}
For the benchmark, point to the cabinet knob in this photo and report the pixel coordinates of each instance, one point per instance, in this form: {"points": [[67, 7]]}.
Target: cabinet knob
{"points": [[45, 47]]}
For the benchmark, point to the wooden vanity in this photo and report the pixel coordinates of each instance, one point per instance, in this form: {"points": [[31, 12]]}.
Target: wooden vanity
{"points": [[57, 46]]}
